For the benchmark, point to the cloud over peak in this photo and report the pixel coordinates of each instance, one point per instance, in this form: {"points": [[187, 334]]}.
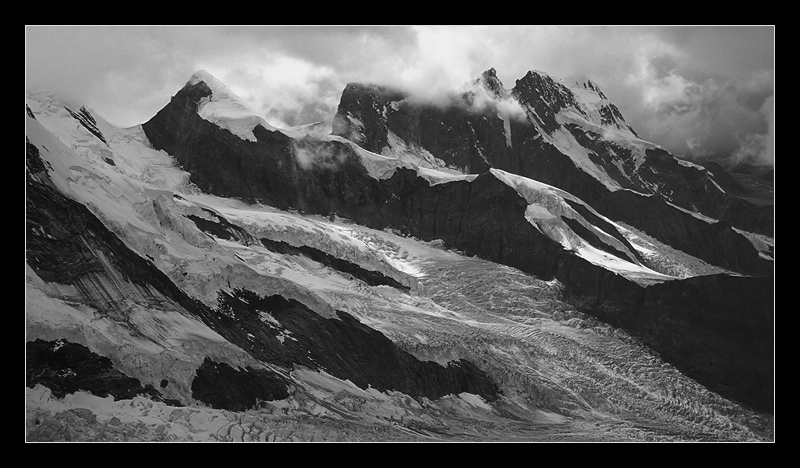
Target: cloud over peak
{"points": [[706, 85]]}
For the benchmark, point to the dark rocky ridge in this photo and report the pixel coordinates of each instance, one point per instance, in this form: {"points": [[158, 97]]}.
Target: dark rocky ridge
{"points": [[224, 229], [223, 387], [485, 217], [220, 227], [88, 121], [372, 278], [604, 226]]}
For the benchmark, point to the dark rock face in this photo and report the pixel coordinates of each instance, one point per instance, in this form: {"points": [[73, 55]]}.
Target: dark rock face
{"points": [[65, 243], [457, 134], [66, 368], [58, 246], [546, 97], [88, 121], [34, 164], [728, 328], [484, 218], [221, 228], [223, 387], [368, 101], [227, 162]]}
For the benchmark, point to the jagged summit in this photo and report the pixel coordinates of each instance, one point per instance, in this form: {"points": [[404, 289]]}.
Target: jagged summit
{"points": [[492, 83], [596, 104], [539, 73], [576, 96], [541, 89]]}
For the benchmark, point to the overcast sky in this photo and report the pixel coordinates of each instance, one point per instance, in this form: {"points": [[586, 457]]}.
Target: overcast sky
{"points": [[699, 91]]}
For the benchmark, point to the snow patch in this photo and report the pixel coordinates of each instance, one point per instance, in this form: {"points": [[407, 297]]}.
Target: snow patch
{"points": [[230, 113], [475, 400], [566, 143]]}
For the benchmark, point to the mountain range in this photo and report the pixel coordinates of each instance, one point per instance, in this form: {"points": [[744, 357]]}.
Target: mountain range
{"points": [[494, 265]]}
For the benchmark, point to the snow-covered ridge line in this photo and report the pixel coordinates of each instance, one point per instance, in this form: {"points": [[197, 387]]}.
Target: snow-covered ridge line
{"points": [[546, 207], [329, 237], [383, 166]]}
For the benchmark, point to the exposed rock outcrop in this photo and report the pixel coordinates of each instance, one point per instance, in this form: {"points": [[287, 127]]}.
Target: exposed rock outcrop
{"points": [[66, 368]]}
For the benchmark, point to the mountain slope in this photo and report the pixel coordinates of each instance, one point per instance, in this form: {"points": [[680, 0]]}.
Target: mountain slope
{"points": [[494, 215], [322, 300]]}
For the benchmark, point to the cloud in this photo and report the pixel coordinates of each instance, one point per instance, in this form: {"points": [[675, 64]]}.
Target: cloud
{"points": [[674, 85], [695, 115], [312, 153], [287, 91], [759, 148]]}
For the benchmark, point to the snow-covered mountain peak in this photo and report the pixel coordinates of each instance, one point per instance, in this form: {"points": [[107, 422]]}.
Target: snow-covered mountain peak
{"points": [[226, 109], [210, 80], [594, 105]]}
